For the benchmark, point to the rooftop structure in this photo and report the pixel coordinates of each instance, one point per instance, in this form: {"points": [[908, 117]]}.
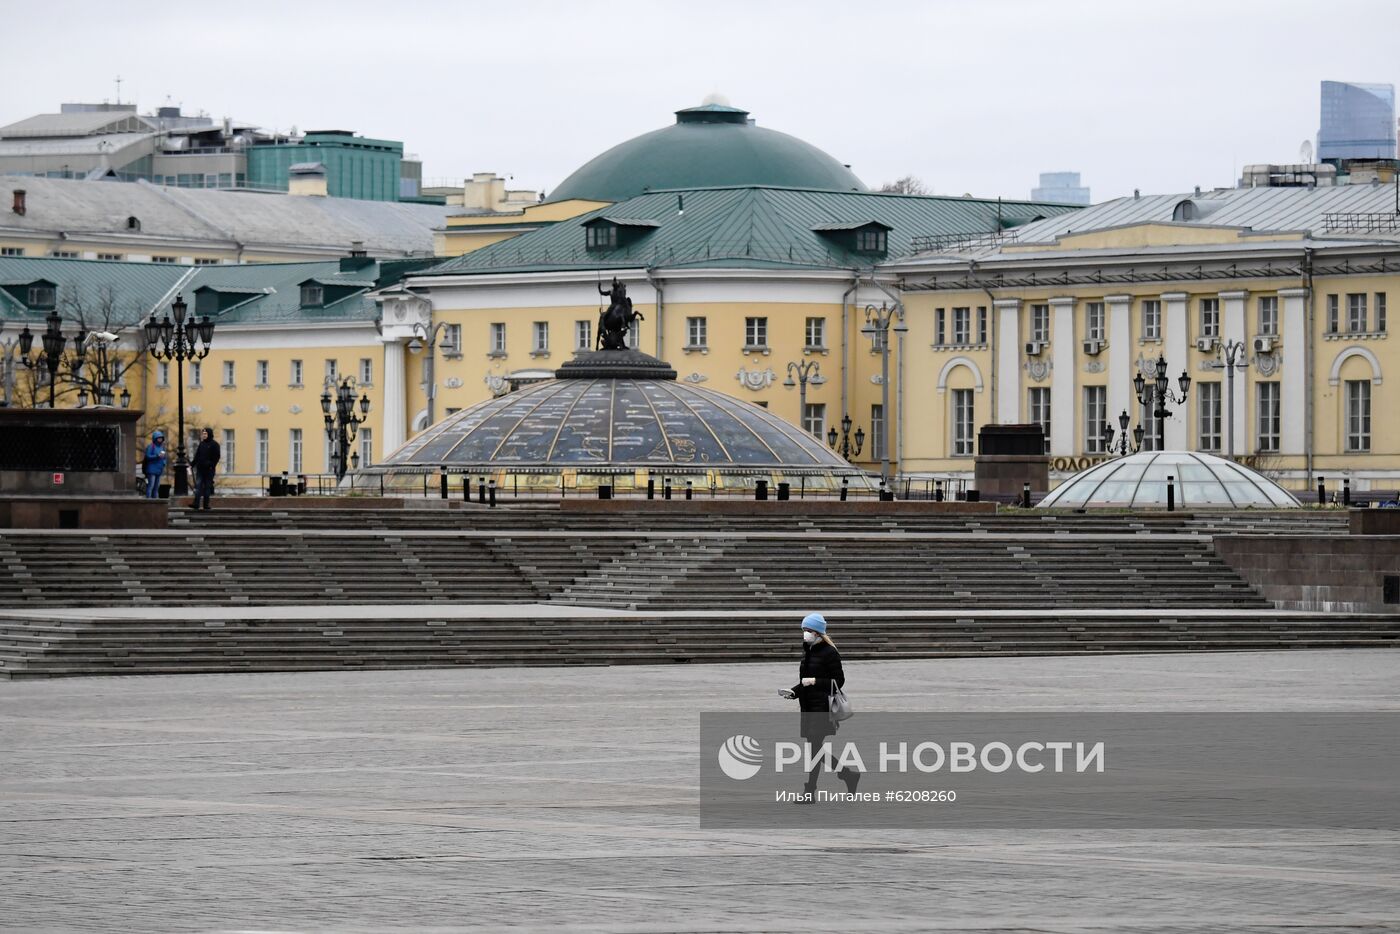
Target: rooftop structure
{"points": [[1063, 187], [1357, 121], [1141, 481]]}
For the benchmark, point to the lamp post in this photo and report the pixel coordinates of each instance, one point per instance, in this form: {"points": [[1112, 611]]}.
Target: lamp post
{"points": [[51, 358], [1158, 395], [877, 325], [342, 422], [180, 340], [1123, 448], [845, 449], [805, 370], [421, 333], [1232, 352]]}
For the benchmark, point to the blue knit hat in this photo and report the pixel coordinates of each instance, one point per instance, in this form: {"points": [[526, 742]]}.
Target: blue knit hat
{"points": [[815, 622]]}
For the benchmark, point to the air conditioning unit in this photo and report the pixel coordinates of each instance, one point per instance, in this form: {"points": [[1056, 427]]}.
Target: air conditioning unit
{"points": [[1093, 348], [1206, 344], [1263, 345], [1034, 348]]}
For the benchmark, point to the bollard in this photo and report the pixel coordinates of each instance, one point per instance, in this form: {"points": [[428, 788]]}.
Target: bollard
{"points": [[493, 492], [651, 487], [938, 491], [973, 496], [442, 484], [466, 489], [515, 479], [784, 491], [1346, 491], [1171, 493], [802, 490], [760, 490], [481, 490], [604, 491], [1322, 491], [845, 487], [1026, 495], [666, 488], [689, 490]]}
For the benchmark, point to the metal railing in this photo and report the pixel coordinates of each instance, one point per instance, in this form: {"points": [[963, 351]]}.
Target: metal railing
{"points": [[1370, 222], [937, 243]]}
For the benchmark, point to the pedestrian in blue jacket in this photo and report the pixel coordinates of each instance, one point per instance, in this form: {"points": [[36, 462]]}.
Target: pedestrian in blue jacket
{"points": [[153, 463]]}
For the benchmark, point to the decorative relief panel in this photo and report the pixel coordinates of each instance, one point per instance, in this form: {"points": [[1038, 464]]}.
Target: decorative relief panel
{"points": [[756, 380]]}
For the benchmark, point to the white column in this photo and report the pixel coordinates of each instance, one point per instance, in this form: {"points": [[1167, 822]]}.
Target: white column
{"points": [[1120, 348], [1063, 381], [1174, 349], [1232, 328], [392, 429], [1293, 329], [1008, 390]]}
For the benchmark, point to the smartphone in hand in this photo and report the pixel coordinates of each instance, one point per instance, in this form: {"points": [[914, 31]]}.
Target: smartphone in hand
{"points": [[787, 694]]}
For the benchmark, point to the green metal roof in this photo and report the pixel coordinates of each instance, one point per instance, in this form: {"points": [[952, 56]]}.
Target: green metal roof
{"points": [[708, 146], [747, 227]]}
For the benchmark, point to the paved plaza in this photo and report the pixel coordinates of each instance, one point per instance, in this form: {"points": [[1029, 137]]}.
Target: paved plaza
{"points": [[565, 799]]}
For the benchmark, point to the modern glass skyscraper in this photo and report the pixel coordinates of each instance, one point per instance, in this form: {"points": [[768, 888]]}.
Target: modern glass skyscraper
{"points": [[1063, 187], [1358, 121]]}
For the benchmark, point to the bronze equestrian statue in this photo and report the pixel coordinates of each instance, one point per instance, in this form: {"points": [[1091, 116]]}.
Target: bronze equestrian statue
{"points": [[614, 323]]}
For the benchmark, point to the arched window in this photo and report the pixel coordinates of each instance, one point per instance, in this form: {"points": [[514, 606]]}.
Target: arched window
{"points": [[133, 223]]}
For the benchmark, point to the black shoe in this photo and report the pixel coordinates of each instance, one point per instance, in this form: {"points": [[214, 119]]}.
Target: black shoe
{"points": [[852, 778]]}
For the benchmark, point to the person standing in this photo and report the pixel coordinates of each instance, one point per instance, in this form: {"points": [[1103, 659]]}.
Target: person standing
{"points": [[206, 458], [819, 670], [153, 463]]}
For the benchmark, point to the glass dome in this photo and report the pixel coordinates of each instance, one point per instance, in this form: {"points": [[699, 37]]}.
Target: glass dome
{"points": [[1140, 480]]}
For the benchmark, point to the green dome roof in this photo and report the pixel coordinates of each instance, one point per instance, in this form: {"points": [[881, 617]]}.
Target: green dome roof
{"points": [[710, 146]]}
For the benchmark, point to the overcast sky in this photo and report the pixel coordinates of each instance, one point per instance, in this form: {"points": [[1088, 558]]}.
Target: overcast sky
{"points": [[971, 96]]}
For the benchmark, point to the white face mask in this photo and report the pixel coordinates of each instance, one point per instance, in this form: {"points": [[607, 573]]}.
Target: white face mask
{"points": [[808, 636]]}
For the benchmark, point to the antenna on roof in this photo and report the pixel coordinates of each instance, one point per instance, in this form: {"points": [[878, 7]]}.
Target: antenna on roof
{"points": [[119, 89]]}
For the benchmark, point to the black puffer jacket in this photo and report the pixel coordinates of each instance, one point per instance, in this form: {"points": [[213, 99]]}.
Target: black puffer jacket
{"points": [[820, 660]]}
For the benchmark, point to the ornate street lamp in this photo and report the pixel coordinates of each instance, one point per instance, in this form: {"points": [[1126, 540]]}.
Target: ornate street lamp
{"points": [[877, 326], [1232, 358], [421, 333], [1122, 444], [180, 340], [51, 358], [342, 422], [805, 370], [1158, 395], [845, 449]]}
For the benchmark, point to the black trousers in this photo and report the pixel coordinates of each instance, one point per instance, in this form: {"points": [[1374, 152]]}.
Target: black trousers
{"points": [[203, 487]]}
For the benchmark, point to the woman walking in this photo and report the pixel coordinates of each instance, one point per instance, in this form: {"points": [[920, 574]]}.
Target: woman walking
{"points": [[817, 675], [206, 458], [153, 463]]}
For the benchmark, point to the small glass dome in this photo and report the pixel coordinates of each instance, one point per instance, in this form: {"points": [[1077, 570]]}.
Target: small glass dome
{"points": [[1140, 480]]}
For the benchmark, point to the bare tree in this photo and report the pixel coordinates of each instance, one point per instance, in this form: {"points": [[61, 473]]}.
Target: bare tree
{"points": [[108, 324], [907, 185]]}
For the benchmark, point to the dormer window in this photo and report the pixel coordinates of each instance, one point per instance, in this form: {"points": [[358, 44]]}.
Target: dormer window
{"points": [[871, 240], [312, 296], [133, 223], [602, 237], [41, 297]]}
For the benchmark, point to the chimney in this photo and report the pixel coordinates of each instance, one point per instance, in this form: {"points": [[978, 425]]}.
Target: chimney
{"points": [[358, 258], [19, 205]]}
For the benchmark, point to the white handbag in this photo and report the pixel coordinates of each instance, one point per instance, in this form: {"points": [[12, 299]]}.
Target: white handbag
{"points": [[838, 703]]}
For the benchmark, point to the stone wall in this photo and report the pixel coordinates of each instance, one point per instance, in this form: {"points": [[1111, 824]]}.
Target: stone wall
{"points": [[1334, 573]]}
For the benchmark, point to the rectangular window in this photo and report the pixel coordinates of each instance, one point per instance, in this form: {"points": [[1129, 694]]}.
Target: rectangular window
{"points": [[1040, 323], [697, 332], [262, 452], [870, 241], [1210, 317], [312, 296], [11, 251], [583, 335], [166, 260], [877, 432], [110, 257], [1268, 315], [816, 334], [498, 339], [1356, 312], [1038, 408], [962, 326], [205, 261], [1268, 433], [634, 335], [367, 447], [981, 325], [541, 337], [962, 422], [602, 237], [294, 451], [1332, 315], [328, 456], [1093, 321], [452, 339], [162, 373], [1358, 398], [228, 453], [64, 254], [333, 370], [228, 374], [262, 373], [1095, 414], [296, 373], [756, 333], [42, 297], [1380, 312], [366, 371], [939, 330], [1149, 428], [814, 419], [1152, 320], [1208, 416]]}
